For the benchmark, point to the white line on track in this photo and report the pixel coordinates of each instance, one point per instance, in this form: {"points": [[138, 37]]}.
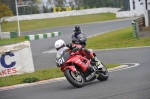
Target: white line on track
{"points": [[127, 67], [122, 67], [50, 51]]}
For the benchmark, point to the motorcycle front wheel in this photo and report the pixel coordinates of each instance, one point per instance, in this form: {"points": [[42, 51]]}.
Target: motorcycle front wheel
{"points": [[103, 74], [75, 79]]}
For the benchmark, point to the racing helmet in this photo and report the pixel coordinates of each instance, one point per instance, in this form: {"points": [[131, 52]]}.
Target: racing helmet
{"points": [[59, 44], [77, 28]]}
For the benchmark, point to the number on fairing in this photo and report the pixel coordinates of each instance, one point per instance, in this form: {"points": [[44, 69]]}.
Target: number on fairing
{"points": [[60, 61]]}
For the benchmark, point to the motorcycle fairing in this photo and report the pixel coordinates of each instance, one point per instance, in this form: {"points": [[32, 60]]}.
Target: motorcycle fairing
{"points": [[71, 67], [80, 61]]}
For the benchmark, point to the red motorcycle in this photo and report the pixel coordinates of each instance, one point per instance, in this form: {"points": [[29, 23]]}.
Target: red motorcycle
{"points": [[75, 67]]}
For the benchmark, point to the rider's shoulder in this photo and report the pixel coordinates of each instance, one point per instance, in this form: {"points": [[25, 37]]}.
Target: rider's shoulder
{"points": [[73, 33]]}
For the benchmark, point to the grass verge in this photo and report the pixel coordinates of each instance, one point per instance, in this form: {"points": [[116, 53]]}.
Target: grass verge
{"points": [[38, 75], [53, 22], [12, 40], [117, 39]]}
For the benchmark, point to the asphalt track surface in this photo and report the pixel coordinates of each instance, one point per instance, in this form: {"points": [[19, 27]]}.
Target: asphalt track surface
{"points": [[130, 83], [47, 60]]}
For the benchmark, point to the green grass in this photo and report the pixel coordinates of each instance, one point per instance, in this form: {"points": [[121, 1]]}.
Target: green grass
{"points": [[112, 65], [43, 74], [53, 22], [117, 39], [12, 40]]}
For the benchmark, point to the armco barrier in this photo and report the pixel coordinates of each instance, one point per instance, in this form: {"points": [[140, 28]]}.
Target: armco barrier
{"points": [[11, 34], [135, 29], [42, 36], [139, 28]]}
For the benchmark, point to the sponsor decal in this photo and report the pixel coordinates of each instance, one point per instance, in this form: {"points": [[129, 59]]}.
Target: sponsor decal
{"points": [[7, 69]]}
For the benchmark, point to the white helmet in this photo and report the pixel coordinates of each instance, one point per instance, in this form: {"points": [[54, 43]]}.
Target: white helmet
{"points": [[59, 44]]}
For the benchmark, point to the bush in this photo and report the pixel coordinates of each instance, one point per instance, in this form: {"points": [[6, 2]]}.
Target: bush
{"points": [[63, 9], [72, 8], [30, 80], [85, 7], [57, 9]]}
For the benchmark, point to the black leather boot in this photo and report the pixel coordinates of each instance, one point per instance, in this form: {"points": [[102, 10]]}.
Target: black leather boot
{"points": [[96, 61], [90, 68]]}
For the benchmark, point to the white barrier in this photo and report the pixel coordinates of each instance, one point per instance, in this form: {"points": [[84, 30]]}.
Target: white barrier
{"points": [[63, 14], [5, 34], [133, 13], [16, 59]]}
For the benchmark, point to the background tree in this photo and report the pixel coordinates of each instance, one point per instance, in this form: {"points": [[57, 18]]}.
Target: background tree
{"points": [[71, 3], [45, 9], [4, 12], [50, 3], [79, 3], [32, 6], [48, 7], [10, 4], [35, 6], [35, 9], [59, 3], [104, 3]]}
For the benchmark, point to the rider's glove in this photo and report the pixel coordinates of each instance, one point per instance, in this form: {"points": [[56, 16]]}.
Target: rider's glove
{"points": [[87, 51], [69, 45], [75, 49], [73, 40]]}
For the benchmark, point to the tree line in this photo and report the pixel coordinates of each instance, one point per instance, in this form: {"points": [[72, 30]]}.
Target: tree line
{"points": [[37, 6]]}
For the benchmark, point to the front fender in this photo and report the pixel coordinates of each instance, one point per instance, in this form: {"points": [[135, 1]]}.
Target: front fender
{"points": [[72, 68]]}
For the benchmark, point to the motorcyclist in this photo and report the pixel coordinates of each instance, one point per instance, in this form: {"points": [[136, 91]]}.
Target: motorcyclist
{"points": [[76, 31], [61, 44]]}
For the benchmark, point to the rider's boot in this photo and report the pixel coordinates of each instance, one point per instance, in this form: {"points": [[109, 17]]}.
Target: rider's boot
{"points": [[91, 68], [94, 59], [97, 62]]}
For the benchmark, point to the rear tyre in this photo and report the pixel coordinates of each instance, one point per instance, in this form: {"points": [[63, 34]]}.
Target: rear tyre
{"points": [[75, 79], [103, 74]]}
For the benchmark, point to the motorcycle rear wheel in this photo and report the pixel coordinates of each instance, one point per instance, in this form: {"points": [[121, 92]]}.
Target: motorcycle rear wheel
{"points": [[103, 75], [76, 81]]}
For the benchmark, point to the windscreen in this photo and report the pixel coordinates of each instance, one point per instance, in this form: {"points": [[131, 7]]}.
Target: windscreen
{"points": [[81, 38]]}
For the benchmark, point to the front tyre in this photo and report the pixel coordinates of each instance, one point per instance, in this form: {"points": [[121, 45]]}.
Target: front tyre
{"points": [[75, 79], [103, 74]]}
